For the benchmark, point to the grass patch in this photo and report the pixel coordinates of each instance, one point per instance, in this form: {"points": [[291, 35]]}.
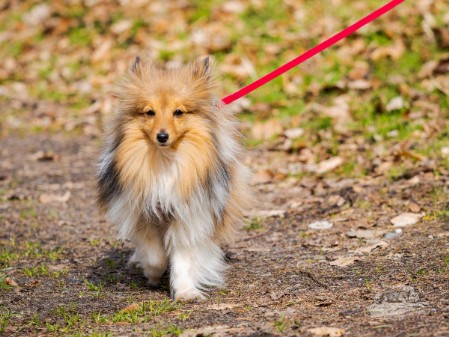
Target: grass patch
{"points": [[80, 36], [145, 313], [396, 173], [160, 331], [254, 225], [97, 288], [3, 284], [7, 257], [37, 271], [5, 317], [12, 253]]}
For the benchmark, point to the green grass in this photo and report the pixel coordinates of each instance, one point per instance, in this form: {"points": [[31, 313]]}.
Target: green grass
{"points": [[281, 323], [160, 331], [254, 225], [80, 37], [5, 317], [11, 253], [396, 172], [37, 271], [7, 257], [3, 284], [146, 312], [97, 288]]}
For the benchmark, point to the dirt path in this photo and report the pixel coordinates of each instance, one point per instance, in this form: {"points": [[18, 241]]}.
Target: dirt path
{"points": [[63, 272]]}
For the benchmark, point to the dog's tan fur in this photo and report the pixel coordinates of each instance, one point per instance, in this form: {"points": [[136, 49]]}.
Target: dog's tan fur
{"points": [[200, 163]]}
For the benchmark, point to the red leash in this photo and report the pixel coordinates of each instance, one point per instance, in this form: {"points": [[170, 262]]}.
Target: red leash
{"points": [[308, 54]]}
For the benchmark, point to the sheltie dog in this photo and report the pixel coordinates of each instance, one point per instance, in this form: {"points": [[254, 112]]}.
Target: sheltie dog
{"points": [[171, 175]]}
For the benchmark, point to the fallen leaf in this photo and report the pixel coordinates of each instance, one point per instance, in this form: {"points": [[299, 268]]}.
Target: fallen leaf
{"points": [[11, 282], [294, 133], [406, 219], [445, 151], [223, 306], [217, 331], [396, 103], [427, 69], [339, 111], [271, 213], [343, 261], [414, 181], [336, 200], [414, 207], [394, 51], [37, 15], [267, 130], [121, 26], [44, 156], [320, 225], [359, 70], [369, 249], [47, 198], [275, 295], [365, 233], [131, 308], [360, 85], [328, 165], [235, 7], [262, 177], [326, 331]]}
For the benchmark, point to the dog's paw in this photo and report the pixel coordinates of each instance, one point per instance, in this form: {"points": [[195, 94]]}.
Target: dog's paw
{"points": [[191, 295], [133, 262], [151, 279]]}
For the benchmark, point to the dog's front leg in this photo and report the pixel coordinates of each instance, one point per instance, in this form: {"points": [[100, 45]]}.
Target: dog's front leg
{"points": [[150, 252], [195, 266]]}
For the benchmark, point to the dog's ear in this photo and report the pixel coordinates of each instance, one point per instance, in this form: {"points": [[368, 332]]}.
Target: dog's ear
{"points": [[202, 68], [135, 67]]}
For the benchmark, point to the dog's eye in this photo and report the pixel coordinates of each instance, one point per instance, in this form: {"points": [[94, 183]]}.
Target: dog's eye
{"points": [[150, 113], [178, 113]]}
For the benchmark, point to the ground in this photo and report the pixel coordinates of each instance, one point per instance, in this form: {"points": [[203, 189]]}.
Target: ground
{"points": [[349, 153], [64, 271]]}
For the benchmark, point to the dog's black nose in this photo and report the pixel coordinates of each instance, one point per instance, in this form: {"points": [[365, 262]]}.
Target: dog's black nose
{"points": [[162, 137]]}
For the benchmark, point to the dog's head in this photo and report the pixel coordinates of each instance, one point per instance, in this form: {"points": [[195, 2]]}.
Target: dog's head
{"points": [[168, 105]]}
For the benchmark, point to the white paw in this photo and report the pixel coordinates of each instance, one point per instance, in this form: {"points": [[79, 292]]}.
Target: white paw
{"points": [[133, 262], [190, 295], [152, 272]]}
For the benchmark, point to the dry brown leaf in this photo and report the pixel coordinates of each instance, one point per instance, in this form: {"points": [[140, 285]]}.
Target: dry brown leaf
{"points": [[223, 306], [44, 156], [359, 71], [406, 219], [414, 207], [267, 130], [360, 85], [11, 282], [369, 249], [394, 51], [445, 151], [343, 261], [365, 233], [133, 307], [47, 198], [396, 103], [328, 165], [294, 133], [326, 331], [262, 177], [271, 213]]}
